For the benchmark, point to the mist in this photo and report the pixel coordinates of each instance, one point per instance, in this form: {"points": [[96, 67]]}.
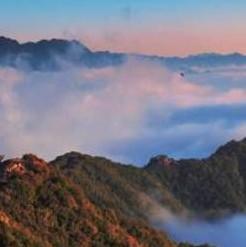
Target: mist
{"points": [[186, 226], [222, 233], [128, 112]]}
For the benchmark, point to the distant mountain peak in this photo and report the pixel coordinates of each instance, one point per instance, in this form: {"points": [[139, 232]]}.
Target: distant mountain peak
{"points": [[43, 54], [4, 40], [162, 161], [53, 54], [62, 43], [56, 44]]}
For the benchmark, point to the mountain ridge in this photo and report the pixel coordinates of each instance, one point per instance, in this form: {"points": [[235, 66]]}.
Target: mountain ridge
{"points": [[51, 40], [45, 55], [82, 200]]}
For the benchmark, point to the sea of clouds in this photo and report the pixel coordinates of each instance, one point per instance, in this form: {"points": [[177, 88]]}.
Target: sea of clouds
{"points": [[225, 232], [128, 112], [186, 227]]}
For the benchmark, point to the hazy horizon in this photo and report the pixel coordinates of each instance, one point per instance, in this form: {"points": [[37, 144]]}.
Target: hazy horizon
{"points": [[148, 27], [121, 52]]}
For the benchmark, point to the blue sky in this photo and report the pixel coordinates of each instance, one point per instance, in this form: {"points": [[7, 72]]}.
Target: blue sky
{"points": [[117, 25]]}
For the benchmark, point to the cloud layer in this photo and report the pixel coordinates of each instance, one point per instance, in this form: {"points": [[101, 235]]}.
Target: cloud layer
{"points": [[187, 227], [222, 233], [128, 113]]}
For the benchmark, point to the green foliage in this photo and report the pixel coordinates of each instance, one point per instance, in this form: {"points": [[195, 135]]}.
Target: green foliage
{"points": [[79, 200]]}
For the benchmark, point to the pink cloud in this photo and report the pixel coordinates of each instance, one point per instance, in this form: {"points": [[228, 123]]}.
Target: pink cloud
{"points": [[93, 108]]}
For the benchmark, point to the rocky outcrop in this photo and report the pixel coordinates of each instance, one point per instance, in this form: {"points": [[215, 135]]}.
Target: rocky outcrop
{"points": [[27, 165], [13, 167]]}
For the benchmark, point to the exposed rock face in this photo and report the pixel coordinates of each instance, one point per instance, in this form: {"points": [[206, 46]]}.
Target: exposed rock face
{"points": [[13, 167], [28, 164]]}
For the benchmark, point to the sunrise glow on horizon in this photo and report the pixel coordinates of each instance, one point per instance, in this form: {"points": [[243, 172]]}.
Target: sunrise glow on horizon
{"points": [[178, 27]]}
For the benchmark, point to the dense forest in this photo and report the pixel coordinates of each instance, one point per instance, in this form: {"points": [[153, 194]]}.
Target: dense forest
{"points": [[80, 200]]}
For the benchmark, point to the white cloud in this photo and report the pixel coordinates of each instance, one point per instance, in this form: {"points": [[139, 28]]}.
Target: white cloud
{"points": [[90, 110]]}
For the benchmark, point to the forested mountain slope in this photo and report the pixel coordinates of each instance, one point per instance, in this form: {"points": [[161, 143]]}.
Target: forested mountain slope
{"points": [[80, 200]]}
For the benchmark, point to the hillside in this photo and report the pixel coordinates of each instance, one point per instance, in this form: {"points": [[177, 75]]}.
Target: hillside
{"points": [[215, 185], [80, 200], [77, 200]]}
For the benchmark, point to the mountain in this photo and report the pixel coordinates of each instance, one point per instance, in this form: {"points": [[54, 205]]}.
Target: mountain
{"points": [[80, 200], [76, 200], [206, 60], [56, 53], [52, 54], [213, 186]]}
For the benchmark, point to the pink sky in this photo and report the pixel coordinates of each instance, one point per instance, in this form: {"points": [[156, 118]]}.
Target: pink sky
{"points": [[171, 27], [164, 41], [182, 40]]}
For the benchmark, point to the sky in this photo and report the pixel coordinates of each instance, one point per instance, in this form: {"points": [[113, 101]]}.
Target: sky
{"points": [[170, 27], [138, 109]]}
